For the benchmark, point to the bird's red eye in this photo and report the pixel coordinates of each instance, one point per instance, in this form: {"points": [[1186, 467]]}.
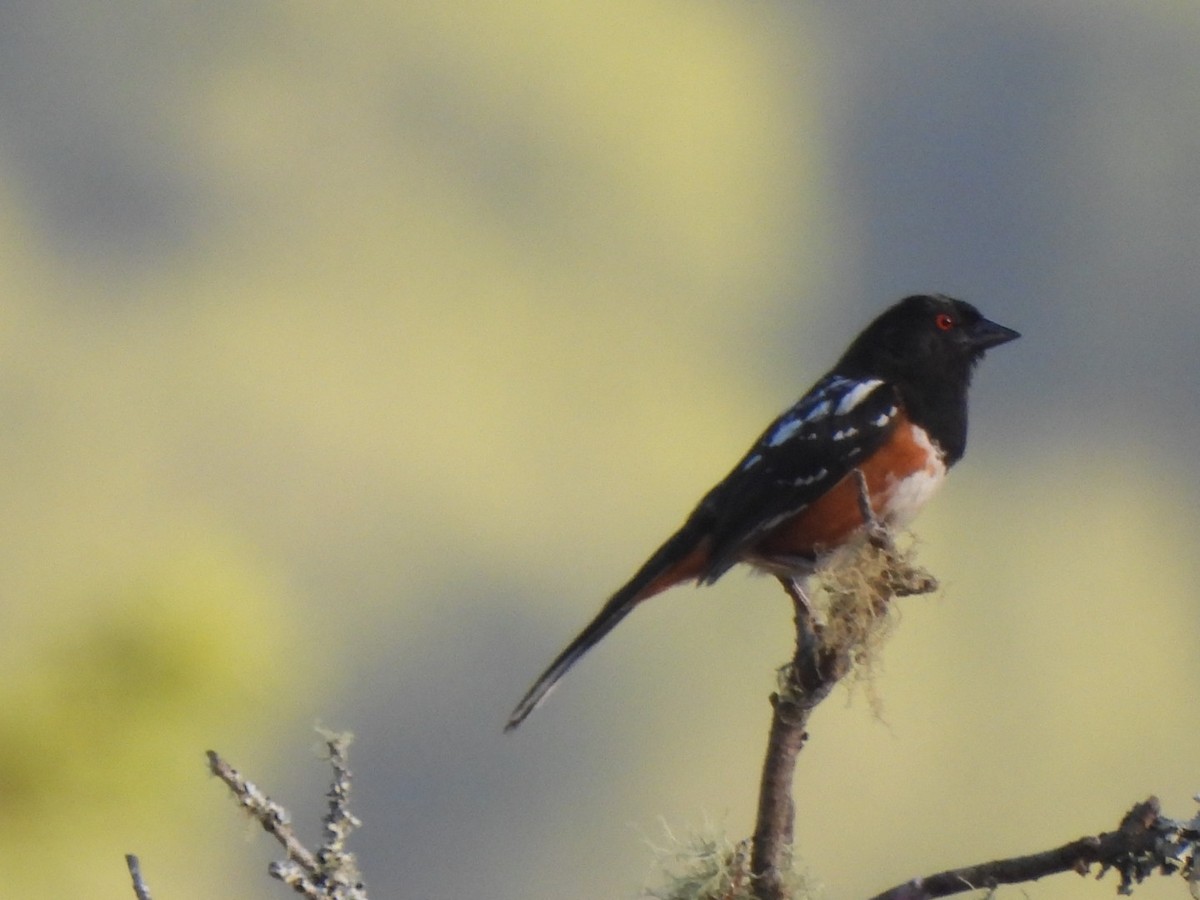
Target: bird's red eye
{"points": [[944, 321]]}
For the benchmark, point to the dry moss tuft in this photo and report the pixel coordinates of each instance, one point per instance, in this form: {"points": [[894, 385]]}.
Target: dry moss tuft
{"points": [[854, 594], [707, 865]]}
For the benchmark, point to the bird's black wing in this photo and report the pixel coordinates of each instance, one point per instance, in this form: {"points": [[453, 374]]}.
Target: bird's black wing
{"points": [[801, 455]]}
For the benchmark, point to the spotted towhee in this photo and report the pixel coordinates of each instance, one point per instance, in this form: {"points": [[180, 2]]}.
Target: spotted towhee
{"points": [[894, 407]]}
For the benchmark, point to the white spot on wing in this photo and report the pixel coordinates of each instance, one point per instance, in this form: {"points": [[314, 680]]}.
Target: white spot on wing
{"points": [[806, 480], [845, 433], [772, 522], [856, 395], [785, 430], [818, 412]]}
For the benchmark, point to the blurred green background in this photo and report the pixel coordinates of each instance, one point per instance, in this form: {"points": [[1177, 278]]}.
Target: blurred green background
{"points": [[351, 354]]}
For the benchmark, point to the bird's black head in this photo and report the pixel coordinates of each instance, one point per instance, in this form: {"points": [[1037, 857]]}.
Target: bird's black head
{"points": [[926, 347], [924, 337]]}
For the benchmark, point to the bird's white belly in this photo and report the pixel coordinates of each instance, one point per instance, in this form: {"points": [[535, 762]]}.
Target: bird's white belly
{"points": [[905, 497]]}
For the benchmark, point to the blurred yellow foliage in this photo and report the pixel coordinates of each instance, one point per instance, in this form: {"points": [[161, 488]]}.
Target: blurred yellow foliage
{"points": [[396, 242], [104, 714]]}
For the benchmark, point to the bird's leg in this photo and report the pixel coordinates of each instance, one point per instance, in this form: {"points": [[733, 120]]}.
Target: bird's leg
{"points": [[795, 589], [877, 533]]}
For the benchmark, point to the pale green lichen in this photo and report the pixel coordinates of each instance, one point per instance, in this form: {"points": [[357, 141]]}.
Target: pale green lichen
{"points": [[707, 865], [854, 594]]}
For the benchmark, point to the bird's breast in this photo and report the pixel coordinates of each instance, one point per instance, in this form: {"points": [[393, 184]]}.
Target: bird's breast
{"points": [[903, 496]]}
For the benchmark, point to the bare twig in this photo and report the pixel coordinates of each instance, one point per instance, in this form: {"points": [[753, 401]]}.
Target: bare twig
{"points": [[339, 822], [270, 815], [1145, 842], [332, 872], [140, 889]]}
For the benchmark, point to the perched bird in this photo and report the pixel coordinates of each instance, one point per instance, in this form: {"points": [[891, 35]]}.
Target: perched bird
{"points": [[894, 407]]}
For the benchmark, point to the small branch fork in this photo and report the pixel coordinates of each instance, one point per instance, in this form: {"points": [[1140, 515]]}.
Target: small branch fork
{"points": [[815, 668], [330, 873], [1145, 842]]}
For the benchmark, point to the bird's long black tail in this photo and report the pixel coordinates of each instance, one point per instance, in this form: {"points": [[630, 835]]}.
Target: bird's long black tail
{"points": [[681, 558]]}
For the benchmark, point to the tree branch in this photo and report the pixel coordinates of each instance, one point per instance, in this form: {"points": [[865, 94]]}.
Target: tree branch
{"points": [[1145, 842], [804, 682], [823, 656]]}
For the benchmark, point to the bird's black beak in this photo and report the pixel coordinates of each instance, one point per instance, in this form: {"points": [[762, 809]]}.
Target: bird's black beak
{"points": [[985, 334]]}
